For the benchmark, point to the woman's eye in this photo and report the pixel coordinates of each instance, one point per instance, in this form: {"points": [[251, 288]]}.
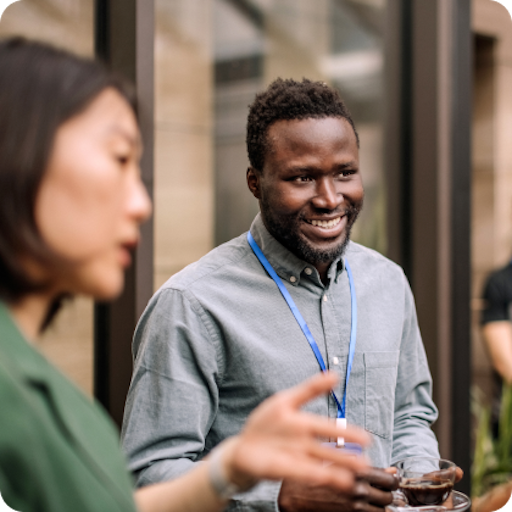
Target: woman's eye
{"points": [[122, 159]]}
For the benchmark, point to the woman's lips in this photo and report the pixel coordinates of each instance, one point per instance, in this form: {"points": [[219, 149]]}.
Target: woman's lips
{"points": [[125, 252]]}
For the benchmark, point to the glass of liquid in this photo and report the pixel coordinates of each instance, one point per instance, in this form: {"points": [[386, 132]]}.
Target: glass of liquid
{"points": [[426, 481]]}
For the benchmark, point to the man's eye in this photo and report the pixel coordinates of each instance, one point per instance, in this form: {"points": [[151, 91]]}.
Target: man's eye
{"points": [[302, 179], [346, 173]]}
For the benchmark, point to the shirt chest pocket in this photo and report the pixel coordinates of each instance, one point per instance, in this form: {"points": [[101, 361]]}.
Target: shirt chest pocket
{"points": [[380, 372]]}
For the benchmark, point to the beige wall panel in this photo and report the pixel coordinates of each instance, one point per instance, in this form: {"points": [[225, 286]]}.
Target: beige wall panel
{"points": [[483, 235], [370, 163], [183, 138], [64, 23], [183, 88], [298, 40], [184, 229], [184, 199], [489, 17], [182, 159]]}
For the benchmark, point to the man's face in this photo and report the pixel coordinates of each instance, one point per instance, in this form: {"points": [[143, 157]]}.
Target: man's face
{"points": [[310, 189]]}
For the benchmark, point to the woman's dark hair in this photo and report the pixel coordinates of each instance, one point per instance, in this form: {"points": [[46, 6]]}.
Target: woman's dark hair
{"points": [[290, 100], [40, 88]]}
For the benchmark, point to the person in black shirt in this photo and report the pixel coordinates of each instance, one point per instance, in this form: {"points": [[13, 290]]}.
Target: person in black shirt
{"points": [[496, 323]]}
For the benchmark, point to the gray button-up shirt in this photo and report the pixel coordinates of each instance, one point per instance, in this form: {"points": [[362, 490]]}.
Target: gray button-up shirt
{"points": [[218, 338]]}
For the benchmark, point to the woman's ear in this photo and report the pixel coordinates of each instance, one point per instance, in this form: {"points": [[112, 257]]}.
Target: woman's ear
{"points": [[253, 182]]}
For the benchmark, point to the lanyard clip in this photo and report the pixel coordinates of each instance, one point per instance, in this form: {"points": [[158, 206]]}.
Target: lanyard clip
{"points": [[341, 423]]}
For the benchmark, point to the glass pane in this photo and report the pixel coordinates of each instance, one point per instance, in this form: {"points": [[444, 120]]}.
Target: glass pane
{"points": [[183, 136], [67, 24], [212, 56], [336, 41]]}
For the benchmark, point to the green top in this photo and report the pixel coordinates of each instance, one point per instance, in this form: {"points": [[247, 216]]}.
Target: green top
{"points": [[58, 450]]}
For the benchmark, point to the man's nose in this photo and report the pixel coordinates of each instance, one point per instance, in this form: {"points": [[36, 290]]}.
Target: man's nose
{"points": [[327, 196]]}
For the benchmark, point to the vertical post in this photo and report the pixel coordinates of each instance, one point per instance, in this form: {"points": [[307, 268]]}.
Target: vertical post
{"points": [[428, 169], [462, 52], [125, 41], [398, 121]]}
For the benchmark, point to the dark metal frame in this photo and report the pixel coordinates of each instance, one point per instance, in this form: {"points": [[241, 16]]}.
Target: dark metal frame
{"points": [[124, 39], [428, 129]]}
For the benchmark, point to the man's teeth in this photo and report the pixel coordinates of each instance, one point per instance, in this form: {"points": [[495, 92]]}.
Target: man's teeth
{"points": [[327, 224]]}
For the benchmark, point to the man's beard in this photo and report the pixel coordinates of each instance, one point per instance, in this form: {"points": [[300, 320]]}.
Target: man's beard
{"points": [[286, 230]]}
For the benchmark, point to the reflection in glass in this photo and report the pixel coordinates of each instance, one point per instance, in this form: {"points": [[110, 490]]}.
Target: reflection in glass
{"points": [[212, 57], [337, 41]]}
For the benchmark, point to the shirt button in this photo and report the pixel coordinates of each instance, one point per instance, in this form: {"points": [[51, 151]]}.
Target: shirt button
{"points": [[293, 279], [308, 271], [325, 298], [335, 360]]}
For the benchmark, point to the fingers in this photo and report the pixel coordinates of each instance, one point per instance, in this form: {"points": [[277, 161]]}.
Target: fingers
{"points": [[380, 479], [366, 492], [339, 457], [337, 477], [327, 428], [380, 498], [309, 470], [319, 384], [458, 474], [368, 498]]}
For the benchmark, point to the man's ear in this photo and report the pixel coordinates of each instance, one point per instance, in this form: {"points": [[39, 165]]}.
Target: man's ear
{"points": [[253, 182]]}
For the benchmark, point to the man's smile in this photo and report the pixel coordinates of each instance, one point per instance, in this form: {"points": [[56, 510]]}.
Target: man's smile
{"points": [[310, 189], [326, 224], [324, 229]]}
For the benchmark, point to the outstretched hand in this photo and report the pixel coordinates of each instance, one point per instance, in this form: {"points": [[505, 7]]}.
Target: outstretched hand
{"points": [[279, 441]]}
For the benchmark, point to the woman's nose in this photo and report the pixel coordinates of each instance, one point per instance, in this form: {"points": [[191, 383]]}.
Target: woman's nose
{"points": [[139, 202]]}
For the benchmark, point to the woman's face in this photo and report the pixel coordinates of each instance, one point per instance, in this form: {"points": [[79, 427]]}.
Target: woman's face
{"points": [[91, 200]]}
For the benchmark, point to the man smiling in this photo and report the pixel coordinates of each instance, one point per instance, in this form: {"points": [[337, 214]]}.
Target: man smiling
{"points": [[273, 306], [309, 187]]}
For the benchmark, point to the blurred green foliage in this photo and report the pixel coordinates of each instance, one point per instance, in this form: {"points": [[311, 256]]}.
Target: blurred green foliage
{"points": [[492, 462]]}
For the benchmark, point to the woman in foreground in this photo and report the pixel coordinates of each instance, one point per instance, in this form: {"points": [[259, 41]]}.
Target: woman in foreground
{"points": [[71, 202]]}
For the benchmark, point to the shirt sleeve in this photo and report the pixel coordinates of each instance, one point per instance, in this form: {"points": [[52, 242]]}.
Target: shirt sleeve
{"points": [[174, 397], [415, 411], [496, 302]]}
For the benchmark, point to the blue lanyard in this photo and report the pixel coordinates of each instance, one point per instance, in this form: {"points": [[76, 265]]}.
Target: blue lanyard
{"points": [[304, 326]]}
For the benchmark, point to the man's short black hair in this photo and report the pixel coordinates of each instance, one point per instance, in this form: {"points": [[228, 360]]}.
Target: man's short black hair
{"points": [[289, 100]]}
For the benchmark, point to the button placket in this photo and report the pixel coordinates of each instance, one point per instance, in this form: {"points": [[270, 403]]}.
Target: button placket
{"points": [[335, 310]]}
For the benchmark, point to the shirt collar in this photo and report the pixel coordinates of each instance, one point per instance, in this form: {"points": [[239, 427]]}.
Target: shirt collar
{"points": [[288, 266]]}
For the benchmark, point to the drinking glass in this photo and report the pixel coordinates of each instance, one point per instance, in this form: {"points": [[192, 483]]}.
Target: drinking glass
{"points": [[426, 481]]}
